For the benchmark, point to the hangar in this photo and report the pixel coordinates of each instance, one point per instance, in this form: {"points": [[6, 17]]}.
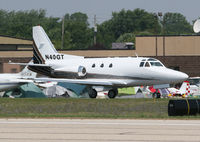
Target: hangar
{"points": [[12, 48], [177, 52]]}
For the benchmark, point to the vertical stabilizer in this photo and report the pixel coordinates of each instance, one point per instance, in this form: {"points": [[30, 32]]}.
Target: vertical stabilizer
{"points": [[42, 45], [185, 86], [44, 50]]}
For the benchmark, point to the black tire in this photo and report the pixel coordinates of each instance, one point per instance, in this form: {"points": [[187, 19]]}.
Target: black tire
{"points": [[66, 95], [92, 93], [112, 93], [158, 95]]}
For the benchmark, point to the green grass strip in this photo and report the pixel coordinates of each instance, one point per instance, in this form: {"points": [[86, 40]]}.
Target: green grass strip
{"points": [[86, 108]]}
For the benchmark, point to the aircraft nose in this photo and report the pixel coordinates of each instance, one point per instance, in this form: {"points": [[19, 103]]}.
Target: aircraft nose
{"points": [[183, 76], [180, 76]]}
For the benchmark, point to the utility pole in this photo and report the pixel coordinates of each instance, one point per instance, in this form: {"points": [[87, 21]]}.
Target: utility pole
{"points": [[63, 29], [95, 30], [161, 22]]}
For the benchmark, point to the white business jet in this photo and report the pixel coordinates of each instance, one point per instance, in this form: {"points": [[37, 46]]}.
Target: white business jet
{"points": [[13, 80], [107, 73]]}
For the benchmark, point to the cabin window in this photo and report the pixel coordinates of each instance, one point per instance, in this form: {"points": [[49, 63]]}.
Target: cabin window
{"points": [[102, 65], [147, 64], [93, 66], [111, 65], [141, 64]]}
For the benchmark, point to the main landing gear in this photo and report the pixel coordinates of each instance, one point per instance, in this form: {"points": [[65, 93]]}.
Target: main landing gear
{"points": [[112, 93], [92, 93]]}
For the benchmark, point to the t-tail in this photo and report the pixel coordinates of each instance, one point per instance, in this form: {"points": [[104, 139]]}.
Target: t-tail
{"points": [[43, 49]]}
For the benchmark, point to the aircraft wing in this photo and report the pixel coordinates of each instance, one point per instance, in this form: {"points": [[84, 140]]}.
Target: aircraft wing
{"points": [[21, 80], [97, 82]]}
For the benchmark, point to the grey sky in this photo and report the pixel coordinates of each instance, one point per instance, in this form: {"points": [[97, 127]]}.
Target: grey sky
{"points": [[103, 8]]}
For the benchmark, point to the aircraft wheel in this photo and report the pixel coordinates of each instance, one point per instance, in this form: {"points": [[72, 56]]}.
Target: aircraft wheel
{"points": [[66, 95], [112, 93], [93, 93]]}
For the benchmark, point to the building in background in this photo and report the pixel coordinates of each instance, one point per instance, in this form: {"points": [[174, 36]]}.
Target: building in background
{"points": [[14, 49]]}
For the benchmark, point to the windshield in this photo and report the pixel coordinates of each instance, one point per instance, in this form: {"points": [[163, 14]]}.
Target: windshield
{"points": [[156, 64], [147, 64], [150, 62]]}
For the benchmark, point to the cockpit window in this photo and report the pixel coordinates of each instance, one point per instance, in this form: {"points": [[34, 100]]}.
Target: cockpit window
{"points": [[156, 64], [151, 62], [147, 64], [151, 59], [141, 64]]}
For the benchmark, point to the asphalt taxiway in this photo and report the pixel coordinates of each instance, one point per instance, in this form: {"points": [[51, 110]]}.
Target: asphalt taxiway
{"points": [[102, 130]]}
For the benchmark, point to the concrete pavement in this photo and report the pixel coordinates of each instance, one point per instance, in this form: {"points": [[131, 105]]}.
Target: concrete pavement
{"points": [[98, 130]]}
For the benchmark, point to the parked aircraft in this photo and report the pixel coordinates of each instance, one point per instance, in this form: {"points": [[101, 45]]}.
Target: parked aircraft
{"points": [[194, 85], [110, 73], [13, 80], [183, 91]]}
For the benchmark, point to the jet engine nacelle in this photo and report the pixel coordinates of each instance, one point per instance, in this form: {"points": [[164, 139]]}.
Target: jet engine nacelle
{"points": [[77, 71], [81, 71]]}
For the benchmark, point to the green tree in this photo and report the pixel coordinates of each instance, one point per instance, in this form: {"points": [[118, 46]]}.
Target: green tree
{"points": [[79, 17], [128, 21], [134, 21], [78, 35], [20, 23], [127, 37], [104, 35], [3, 21], [175, 23]]}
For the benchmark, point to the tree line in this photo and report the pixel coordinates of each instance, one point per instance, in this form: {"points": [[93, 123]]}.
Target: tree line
{"points": [[122, 27]]}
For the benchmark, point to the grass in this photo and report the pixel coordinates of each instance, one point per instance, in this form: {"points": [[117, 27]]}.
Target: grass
{"points": [[86, 108], [126, 91]]}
